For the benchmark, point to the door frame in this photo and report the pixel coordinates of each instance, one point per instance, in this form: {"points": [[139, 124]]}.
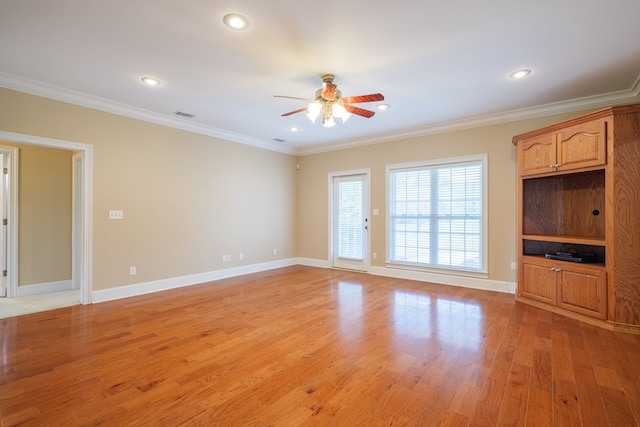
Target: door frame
{"points": [[10, 239], [83, 223], [366, 262]]}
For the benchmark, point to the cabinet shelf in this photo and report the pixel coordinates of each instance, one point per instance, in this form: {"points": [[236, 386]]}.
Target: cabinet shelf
{"points": [[574, 240]]}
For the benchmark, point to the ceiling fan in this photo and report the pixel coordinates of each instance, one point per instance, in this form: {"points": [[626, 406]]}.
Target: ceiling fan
{"points": [[330, 103]]}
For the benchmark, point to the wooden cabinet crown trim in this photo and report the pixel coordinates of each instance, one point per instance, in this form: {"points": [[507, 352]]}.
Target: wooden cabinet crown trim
{"points": [[620, 109]]}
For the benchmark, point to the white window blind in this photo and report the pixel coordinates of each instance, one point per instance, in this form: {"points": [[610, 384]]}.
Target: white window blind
{"points": [[436, 215], [350, 221]]}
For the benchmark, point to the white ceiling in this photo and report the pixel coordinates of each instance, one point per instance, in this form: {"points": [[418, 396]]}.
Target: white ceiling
{"points": [[440, 64]]}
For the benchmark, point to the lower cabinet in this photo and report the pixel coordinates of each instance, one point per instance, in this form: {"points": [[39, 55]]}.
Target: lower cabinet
{"points": [[538, 282], [581, 288]]}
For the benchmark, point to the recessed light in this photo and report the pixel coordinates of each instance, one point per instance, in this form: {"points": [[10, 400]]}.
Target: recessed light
{"points": [[383, 107], [150, 81], [520, 74], [235, 21], [294, 129]]}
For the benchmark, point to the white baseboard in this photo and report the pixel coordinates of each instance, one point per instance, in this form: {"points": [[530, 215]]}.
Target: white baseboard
{"points": [[425, 276], [311, 262], [44, 288], [446, 279], [179, 282], [194, 279]]}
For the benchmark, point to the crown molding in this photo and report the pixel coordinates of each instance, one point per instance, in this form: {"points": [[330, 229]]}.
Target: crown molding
{"points": [[53, 92], [59, 94], [596, 101]]}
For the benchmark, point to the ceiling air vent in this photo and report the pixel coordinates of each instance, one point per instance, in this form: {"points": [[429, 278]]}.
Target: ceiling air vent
{"points": [[183, 114], [279, 140]]}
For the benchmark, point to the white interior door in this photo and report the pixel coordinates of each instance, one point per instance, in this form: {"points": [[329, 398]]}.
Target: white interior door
{"points": [[350, 223]]}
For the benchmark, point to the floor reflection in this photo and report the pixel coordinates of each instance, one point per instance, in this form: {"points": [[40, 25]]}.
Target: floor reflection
{"points": [[412, 314], [451, 321], [350, 307], [458, 323]]}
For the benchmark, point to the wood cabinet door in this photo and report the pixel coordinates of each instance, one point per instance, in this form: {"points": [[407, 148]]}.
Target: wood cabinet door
{"points": [[583, 290], [537, 155], [538, 282], [582, 145]]}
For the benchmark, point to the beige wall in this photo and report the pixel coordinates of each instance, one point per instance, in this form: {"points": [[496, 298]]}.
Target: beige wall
{"points": [[44, 214], [494, 140], [187, 198]]}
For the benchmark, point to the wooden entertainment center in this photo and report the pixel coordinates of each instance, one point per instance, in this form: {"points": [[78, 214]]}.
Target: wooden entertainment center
{"points": [[579, 200]]}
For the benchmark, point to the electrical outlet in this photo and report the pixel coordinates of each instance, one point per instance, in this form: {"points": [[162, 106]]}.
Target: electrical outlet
{"points": [[132, 271], [375, 255], [514, 265], [241, 256], [116, 214], [275, 251]]}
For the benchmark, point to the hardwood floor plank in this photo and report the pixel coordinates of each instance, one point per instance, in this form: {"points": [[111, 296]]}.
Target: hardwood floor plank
{"points": [[514, 408], [592, 410], [623, 359], [494, 384], [617, 406], [565, 404], [540, 400], [315, 347]]}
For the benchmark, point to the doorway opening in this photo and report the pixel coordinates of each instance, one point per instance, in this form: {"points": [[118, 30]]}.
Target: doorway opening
{"points": [[82, 166]]}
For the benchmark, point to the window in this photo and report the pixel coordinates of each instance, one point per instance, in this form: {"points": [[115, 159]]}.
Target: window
{"points": [[349, 205], [437, 214]]}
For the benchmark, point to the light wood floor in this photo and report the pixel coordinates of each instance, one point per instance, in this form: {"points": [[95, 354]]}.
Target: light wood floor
{"points": [[305, 346]]}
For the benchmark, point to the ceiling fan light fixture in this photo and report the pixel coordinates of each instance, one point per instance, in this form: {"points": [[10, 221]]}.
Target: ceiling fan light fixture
{"points": [[329, 103], [236, 22], [328, 122], [340, 112], [313, 111]]}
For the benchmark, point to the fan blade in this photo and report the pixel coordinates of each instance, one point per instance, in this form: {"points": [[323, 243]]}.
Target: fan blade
{"points": [[363, 98], [359, 111], [293, 97], [299, 110]]}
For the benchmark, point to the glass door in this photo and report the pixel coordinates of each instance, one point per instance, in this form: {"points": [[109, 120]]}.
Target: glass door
{"points": [[350, 224]]}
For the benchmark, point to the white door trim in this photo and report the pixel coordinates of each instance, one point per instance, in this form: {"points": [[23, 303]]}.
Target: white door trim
{"points": [[12, 221], [76, 219], [85, 152], [367, 209]]}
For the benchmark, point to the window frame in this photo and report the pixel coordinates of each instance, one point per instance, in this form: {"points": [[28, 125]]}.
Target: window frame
{"points": [[483, 160]]}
